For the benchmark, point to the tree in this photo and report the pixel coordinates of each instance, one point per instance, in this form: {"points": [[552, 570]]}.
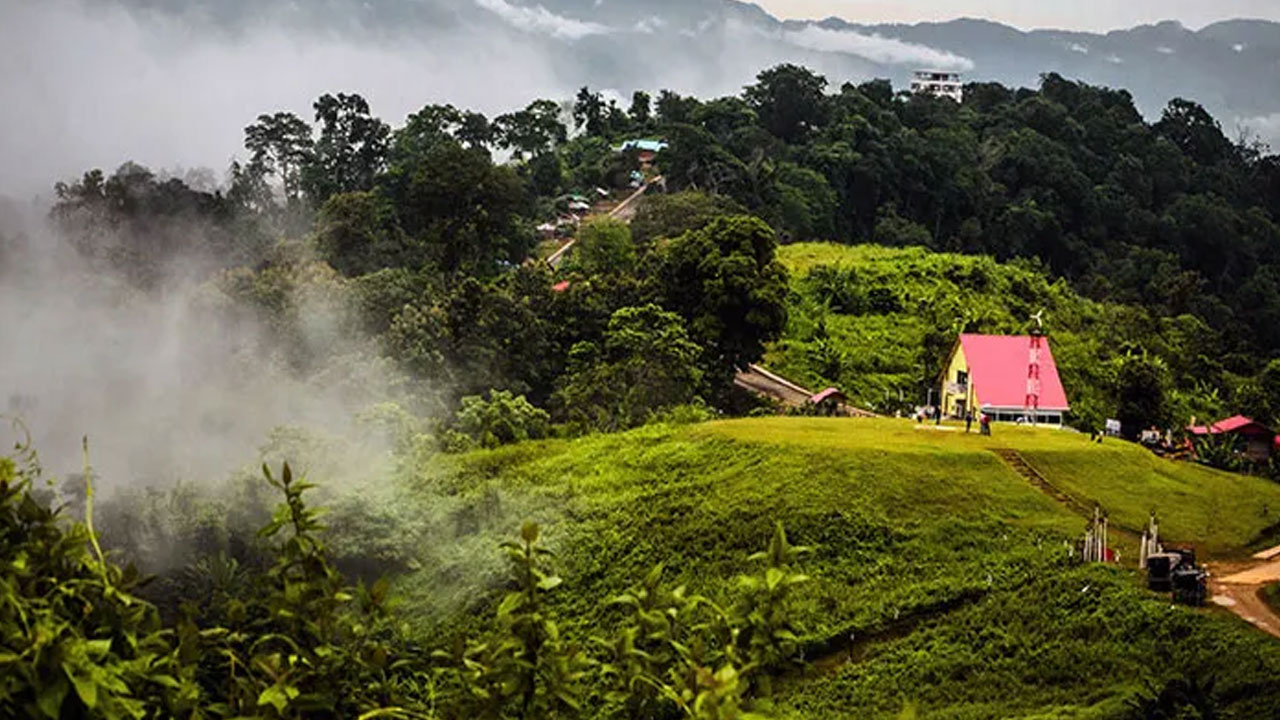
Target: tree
{"points": [[502, 419], [1189, 126], [674, 108], [590, 112], [672, 215], [790, 101], [641, 111], [604, 246], [892, 230], [357, 234], [280, 145], [648, 363], [723, 279], [351, 150], [1142, 399], [532, 131]]}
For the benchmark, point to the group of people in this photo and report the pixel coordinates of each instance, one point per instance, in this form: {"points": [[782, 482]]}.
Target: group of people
{"points": [[984, 422], [933, 413]]}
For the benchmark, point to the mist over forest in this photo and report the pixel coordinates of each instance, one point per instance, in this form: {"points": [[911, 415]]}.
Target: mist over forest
{"points": [[578, 359]]}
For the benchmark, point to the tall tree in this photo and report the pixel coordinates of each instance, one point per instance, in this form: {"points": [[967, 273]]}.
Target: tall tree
{"points": [[280, 145], [531, 131], [725, 281], [590, 112], [790, 101], [351, 149], [641, 111]]}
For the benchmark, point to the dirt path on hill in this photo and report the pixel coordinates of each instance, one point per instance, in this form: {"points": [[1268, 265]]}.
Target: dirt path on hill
{"points": [[1234, 586], [1237, 587]]}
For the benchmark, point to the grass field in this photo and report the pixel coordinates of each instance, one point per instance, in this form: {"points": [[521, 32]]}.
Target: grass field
{"points": [[1223, 514], [949, 570]]}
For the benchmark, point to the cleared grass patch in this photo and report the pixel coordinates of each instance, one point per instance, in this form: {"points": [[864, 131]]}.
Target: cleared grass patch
{"points": [[918, 525], [1221, 513]]}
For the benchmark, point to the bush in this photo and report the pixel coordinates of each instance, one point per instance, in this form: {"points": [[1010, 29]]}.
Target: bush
{"points": [[501, 420]]}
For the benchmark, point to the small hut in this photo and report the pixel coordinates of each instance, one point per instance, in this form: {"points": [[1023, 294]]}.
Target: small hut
{"points": [[1260, 441], [830, 402]]}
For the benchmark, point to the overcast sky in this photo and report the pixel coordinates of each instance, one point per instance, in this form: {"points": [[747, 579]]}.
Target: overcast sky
{"points": [[1091, 15]]}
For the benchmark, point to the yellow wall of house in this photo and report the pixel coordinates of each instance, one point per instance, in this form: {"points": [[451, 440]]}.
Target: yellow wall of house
{"points": [[953, 402]]}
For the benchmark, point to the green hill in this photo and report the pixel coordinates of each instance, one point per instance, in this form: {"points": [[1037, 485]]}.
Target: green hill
{"points": [[950, 571], [877, 322]]}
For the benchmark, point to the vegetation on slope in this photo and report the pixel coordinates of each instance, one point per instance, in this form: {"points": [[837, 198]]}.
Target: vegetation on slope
{"points": [[948, 569], [879, 323]]}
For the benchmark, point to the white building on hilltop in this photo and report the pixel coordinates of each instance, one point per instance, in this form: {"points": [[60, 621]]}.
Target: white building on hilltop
{"points": [[941, 83]]}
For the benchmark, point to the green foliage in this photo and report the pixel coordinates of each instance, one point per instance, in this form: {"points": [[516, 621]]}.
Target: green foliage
{"points": [[670, 216], [350, 151], [1141, 391], [949, 571], [681, 654], [789, 100], [879, 322], [768, 633], [604, 246], [529, 670], [300, 642], [648, 364], [137, 225], [1170, 215], [532, 131], [1221, 451], [725, 282], [357, 234], [502, 419], [74, 640]]}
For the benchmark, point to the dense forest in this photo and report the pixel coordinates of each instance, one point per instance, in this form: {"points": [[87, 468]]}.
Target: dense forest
{"points": [[429, 226], [1151, 245]]}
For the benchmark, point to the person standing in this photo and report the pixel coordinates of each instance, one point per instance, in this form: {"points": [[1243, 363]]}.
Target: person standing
{"points": [[968, 421]]}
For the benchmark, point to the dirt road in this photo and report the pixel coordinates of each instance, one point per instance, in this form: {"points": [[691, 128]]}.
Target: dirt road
{"points": [[1237, 587]]}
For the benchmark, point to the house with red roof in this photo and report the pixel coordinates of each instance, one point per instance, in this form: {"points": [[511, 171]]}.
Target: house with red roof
{"points": [[1009, 377], [1260, 441]]}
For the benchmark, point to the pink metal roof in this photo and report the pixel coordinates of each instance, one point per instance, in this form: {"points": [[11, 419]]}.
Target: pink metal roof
{"points": [[998, 369], [1240, 423], [826, 394], [1236, 424]]}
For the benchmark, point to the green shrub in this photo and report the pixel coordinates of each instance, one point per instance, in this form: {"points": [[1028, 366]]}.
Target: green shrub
{"points": [[501, 420], [74, 641]]}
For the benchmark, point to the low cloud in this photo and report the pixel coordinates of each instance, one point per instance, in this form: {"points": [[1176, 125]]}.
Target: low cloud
{"points": [[541, 20], [90, 86], [876, 48]]}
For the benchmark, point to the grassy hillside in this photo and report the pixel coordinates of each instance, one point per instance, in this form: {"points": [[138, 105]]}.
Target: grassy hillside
{"points": [[878, 322], [949, 570]]}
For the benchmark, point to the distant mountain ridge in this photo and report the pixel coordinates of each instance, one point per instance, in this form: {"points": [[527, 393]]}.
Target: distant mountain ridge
{"points": [[715, 46], [204, 68]]}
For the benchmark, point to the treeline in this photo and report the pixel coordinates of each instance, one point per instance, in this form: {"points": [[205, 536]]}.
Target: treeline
{"points": [[433, 235]]}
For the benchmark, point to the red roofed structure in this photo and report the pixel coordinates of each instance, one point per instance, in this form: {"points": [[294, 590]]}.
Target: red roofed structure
{"points": [[827, 394], [1260, 440], [1010, 377]]}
